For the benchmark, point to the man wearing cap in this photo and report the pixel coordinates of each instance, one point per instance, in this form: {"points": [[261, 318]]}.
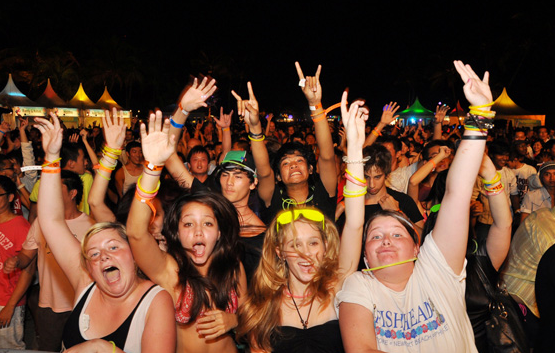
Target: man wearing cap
{"points": [[237, 178], [541, 192]]}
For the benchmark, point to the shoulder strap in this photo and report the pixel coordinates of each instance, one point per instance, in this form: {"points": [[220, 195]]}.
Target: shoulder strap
{"points": [[487, 284]]}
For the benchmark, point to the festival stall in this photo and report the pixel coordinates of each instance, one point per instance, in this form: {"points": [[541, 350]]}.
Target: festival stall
{"points": [[53, 103], [16, 103], [506, 109], [88, 110], [106, 102], [414, 114]]}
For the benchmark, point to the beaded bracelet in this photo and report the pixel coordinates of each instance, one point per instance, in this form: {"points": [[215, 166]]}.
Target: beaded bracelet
{"points": [[359, 161]]}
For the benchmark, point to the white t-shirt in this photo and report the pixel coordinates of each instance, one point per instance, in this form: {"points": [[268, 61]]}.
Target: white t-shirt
{"points": [[522, 174], [398, 180], [429, 315]]}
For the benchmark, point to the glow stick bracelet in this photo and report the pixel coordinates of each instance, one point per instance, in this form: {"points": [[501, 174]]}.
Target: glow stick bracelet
{"points": [[393, 264]]}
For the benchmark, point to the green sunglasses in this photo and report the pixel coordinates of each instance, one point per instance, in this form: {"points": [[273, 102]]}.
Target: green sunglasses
{"points": [[289, 216]]}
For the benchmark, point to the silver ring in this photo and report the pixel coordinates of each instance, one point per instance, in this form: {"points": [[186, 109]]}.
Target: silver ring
{"points": [[302, 82]]}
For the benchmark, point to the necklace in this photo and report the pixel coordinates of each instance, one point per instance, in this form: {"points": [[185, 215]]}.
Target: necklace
{"points": [[303, 322]]}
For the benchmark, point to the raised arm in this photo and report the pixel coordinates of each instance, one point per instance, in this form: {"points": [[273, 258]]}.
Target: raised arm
{"points": [[64, 246], [27, 152], [455, 206], [424, 171], [92, 154], [266, 179], [312, 90], [223, 124], [354, 120], [499, 234], [157, 148], [441, 111], [388, 116], [114, 135], [191, 98]]}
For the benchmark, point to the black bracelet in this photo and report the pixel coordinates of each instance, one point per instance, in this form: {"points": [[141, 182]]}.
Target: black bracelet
{"points": [[474, 137], [256, 136], [479, 122]]}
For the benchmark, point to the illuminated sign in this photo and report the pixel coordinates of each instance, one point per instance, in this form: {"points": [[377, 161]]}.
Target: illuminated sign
{"points": [[69, 112], [30, 111]]}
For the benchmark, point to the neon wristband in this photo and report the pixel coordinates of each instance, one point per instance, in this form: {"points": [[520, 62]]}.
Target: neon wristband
{"points": [[176, 125]]}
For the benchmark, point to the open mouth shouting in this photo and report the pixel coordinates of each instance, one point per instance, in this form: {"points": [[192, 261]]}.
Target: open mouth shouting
{"points": [[111, 274]]}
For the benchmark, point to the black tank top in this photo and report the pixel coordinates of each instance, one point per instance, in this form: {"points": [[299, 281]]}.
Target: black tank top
{"points": [[72, 335], [322, 338]]}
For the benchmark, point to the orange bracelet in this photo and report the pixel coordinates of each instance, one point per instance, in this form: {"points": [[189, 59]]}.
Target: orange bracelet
{"points": [[320, 118], [149, 203], [153, 167], [433, 163], [52, 171]]}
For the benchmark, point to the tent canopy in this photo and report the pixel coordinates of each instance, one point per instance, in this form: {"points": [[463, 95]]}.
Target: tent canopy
{"points": [[507, 109], [11, 96], [49, 98], [107, 102], [81, 100]]}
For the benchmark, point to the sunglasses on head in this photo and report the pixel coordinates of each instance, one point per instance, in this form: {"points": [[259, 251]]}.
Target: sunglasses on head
{"points": [[289, 216]]}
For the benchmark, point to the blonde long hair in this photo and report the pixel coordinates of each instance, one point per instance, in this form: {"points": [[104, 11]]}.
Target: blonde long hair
{"points": [[259, 316]]}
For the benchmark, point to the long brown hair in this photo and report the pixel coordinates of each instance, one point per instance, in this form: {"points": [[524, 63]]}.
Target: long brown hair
{"points": [[259, 316]]}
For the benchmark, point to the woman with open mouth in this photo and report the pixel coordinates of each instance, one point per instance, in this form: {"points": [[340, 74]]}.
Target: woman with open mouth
{"points": [[290, 304], [115, 309], [201, 268]]}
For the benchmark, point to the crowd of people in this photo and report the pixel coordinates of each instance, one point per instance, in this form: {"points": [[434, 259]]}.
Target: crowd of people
{"points": [[244, 235]]}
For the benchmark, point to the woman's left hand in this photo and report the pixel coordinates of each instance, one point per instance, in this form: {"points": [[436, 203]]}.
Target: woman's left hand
{"points": [[52, 135], [354, 119], [215, 323]]}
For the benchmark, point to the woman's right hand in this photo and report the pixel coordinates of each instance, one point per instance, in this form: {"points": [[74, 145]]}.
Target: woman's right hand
{"points": [[52, 136], [114, 129], [157, 147], [354, 120]]}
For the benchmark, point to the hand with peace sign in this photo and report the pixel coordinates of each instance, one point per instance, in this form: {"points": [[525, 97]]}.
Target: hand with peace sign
{"points": [[310, 85], [248, 108]]}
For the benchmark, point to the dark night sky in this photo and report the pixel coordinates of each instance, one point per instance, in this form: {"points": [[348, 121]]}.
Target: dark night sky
{"points": [[381, 51]]}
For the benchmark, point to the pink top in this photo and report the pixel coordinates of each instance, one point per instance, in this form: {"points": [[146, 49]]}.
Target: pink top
{"points": [[182, 310]]}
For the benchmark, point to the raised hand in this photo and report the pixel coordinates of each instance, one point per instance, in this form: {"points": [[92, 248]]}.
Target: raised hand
{"points": [[52, 135], [195, 95], [476, 90], [23, 122], [444, 152], [248, 108], [74, 138], [387, 202], [157, 147], [225, 119], [441, 111], [354, 120], [84, 134], [114, 129], [388, 114], [310, 85]]}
